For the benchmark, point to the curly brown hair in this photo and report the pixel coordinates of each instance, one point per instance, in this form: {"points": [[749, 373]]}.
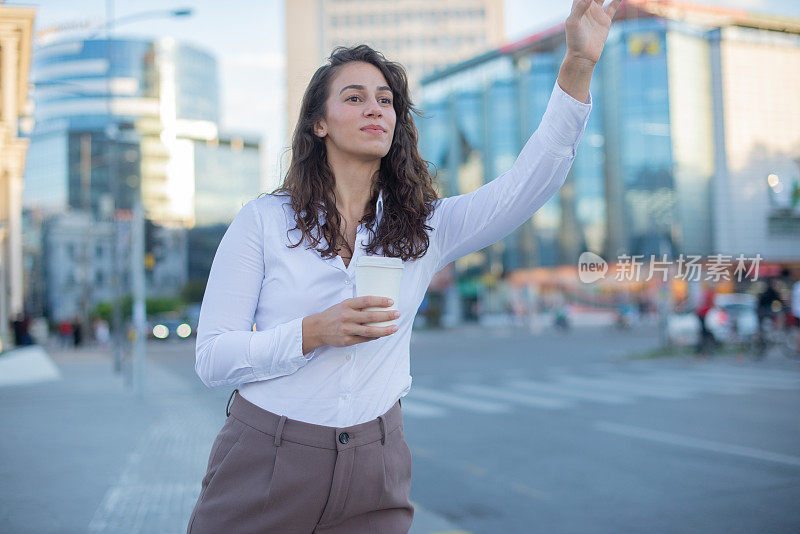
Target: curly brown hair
{"points": [[407, 185]]}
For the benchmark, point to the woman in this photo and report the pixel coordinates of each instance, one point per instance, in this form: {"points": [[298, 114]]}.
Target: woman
{"points": [[314, 439]]}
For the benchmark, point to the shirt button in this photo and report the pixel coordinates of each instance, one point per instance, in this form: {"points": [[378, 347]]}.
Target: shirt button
{"points": [[347, 281], [350, 356], [346, 396]]}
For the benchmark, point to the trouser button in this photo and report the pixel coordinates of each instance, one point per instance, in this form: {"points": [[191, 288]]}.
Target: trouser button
{"points": [[343, 438]]}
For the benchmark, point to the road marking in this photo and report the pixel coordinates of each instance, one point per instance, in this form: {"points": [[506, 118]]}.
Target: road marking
{"points": [[568, 391], [473, 469], [761, 373], [529, 492], [618, 386], [769, 383], [530, 400], [421, 451], [697, 443], [714, 381], [690, 383], [420, 409], [458, 401]]}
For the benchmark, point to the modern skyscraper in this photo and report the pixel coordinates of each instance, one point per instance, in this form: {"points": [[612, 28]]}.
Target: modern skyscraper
{"points": [[122, 118], [422, 36]]}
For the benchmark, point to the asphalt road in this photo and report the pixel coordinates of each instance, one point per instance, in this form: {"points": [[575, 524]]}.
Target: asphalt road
{"points": [[563, 433], [509, 432]]}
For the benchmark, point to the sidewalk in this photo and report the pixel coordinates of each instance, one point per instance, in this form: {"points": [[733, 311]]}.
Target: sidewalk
{"points": [[82, 454]]}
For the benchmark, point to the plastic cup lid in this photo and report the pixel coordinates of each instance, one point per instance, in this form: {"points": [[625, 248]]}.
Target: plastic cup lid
{"points": [[380, 261]]}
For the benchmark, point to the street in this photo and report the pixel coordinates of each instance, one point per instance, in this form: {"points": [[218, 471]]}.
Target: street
{"points": [[564, 436], [509, 432]]}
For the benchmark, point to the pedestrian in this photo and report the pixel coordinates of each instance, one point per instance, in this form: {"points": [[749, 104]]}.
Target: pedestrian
{"points": [[18, 326], [314, 438], [795, 315], [65, 333], [769, 304], [705, 337], [26, 329], [77, 332], [101, 332]]}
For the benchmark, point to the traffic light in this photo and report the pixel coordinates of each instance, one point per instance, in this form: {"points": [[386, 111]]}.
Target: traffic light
{"points": [[149, 244]]}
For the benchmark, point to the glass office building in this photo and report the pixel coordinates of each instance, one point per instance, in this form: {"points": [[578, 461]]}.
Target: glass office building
{"points": [[121, 118], [658, 169], [116, 108]]}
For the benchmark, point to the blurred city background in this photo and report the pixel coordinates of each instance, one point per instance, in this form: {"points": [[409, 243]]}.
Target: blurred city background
{"points": [[132, 133]]}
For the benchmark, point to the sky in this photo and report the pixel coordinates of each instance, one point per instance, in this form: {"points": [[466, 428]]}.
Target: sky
{"points": [[247, 38]]}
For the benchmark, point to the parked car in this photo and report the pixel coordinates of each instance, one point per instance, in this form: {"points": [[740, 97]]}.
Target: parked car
{"points": [[733, 318], [683, 328], [169, 328]]}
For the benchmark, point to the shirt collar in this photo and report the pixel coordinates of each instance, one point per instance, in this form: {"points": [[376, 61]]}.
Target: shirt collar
{"points": [[378, 211]]}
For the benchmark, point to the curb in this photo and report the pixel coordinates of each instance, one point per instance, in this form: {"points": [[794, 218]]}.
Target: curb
{"points": [[27, 365]]}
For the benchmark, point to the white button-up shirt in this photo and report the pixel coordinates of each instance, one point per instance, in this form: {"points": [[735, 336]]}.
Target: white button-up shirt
{"points": [[256, 278]]}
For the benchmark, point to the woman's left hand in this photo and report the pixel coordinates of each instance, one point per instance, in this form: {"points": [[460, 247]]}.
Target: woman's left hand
{"points": [[587, 28]]}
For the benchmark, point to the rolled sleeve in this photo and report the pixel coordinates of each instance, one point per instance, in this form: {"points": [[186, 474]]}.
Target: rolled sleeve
{"points": [[564, 122]]}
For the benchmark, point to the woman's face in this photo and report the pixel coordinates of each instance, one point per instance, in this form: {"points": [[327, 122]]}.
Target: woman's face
{"points": [[359, 97]]}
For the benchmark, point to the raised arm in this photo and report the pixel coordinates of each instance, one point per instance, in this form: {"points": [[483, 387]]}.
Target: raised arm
{"points": [[228, 351], [469, 222], [466, 223]]}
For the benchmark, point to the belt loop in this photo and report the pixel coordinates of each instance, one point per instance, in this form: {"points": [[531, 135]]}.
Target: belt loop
{"points": [[228, 406], [383, 429], [279, 431]]}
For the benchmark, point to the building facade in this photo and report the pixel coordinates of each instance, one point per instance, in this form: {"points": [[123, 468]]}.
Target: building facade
{"points": [[119, 119], [110, 118], [692, 146], [422, 36], [16, 27]]}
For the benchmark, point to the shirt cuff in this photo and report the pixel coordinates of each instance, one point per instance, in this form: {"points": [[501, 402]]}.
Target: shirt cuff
{"points": [[281, 349], [564, 122]]}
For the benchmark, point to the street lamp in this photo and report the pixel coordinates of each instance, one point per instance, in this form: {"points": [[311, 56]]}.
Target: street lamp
{"points": [[111, 132]]}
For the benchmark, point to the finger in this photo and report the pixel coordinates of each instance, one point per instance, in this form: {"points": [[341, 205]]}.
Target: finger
{"points": [[580, 7], [370, 300], [611, 10], [376, 316], [373, 331]]}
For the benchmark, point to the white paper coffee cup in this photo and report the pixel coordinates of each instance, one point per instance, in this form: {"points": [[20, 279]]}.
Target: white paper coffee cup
{"points": [[379, 276]]}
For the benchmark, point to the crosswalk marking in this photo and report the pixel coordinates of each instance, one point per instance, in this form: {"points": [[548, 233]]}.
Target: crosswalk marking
{"points": [[522, 398], [697, 443], [695, 384], [713, 380], [570, 391], [771, 383], [609, 386], [620, 386], [761, 373], [421, 409], [458, 401]]}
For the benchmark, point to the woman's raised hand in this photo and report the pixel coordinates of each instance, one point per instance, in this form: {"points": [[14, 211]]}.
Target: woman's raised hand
{"points": [[587, 28], [343, 324]]}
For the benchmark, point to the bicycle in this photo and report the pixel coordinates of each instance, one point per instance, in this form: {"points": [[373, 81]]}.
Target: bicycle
{"points": [[777, 334]]}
